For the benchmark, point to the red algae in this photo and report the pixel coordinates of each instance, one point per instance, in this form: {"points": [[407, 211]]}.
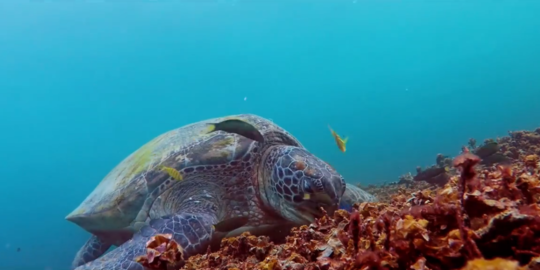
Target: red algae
{"points": [[162, 253], [485, 216]]}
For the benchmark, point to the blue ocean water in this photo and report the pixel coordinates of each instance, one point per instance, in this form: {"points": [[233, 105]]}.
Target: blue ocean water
{"points": [[85, 83]]}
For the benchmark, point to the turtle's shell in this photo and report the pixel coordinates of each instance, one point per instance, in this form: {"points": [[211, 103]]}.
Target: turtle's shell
{"points": [[117, 200]]}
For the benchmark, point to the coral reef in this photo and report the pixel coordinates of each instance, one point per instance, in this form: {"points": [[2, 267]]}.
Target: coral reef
{"points": [[517, 145], [520, 143], [162, 253], [436, 174], [483, 217]]}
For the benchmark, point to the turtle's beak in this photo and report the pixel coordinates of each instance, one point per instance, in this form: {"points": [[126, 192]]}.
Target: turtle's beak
{"points": [[332, 193], [329, 204], [331, 209]]}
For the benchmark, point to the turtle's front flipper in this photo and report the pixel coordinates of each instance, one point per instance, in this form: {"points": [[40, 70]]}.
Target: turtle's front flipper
{"points": [[91, 250], [192, 229], [354, 194]]}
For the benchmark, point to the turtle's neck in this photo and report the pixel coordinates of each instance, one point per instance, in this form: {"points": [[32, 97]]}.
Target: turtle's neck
{"points": [[269, 158]]}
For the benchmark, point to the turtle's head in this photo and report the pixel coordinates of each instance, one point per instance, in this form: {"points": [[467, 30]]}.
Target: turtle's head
{"points": [[297, 184]]}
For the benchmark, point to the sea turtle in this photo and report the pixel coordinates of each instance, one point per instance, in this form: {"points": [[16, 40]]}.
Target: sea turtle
{"points": [[273, 185]]}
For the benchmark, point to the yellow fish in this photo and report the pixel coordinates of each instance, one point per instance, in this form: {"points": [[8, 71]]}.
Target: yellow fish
{"points": [[172, 172], [341, 143]]}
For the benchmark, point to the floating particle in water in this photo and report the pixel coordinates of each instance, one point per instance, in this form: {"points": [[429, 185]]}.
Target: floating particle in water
{"points": [[8, 245], [245, 98], [18, 249]]}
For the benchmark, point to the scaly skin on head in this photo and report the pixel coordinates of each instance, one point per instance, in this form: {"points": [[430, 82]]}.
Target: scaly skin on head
{"points": [[296, 184]]}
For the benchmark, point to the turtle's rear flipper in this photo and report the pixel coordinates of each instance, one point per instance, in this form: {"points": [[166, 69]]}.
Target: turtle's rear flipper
{"points": [[354, 194], [91, 250], [192, 230]]}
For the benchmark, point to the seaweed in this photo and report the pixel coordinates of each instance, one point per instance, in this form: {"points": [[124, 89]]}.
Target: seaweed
{"points": [[483, 217]]}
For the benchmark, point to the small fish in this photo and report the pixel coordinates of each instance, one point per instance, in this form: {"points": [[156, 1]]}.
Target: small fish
{"points": [[239, 127], [341, 143], [231, 224], [172, 172]]}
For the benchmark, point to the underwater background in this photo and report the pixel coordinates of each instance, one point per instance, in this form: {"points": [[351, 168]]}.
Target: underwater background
{"points": [[85, 83]]}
